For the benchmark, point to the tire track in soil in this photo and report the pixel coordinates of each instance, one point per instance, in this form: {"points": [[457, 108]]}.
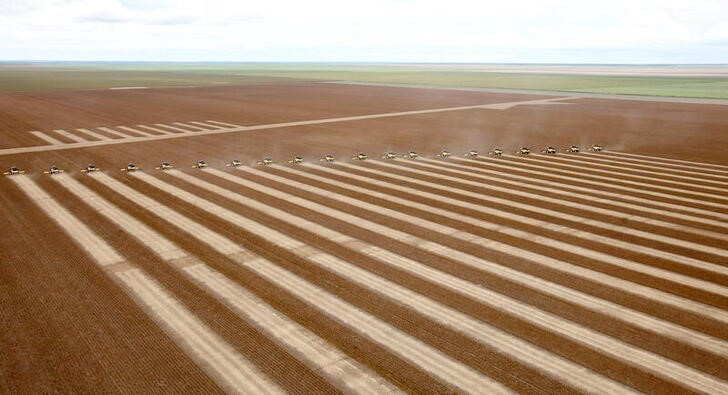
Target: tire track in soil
{"points": [[378, 358], [288, 210], [251, 344], [64, 342], [659, 309], [669, 347]]}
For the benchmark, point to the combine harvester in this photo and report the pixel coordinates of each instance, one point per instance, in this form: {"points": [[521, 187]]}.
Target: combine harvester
{"points": [[296, 160], [90, 168], [165, 166], [130, 167], [496, 152], [573, 149], [444, 154], [14, 170], [54, 170], [234, 163], [389, 155], [361, 156], [549, 150], [523, 151], [472, 154], [201, 164], [411, 155], [328, 158], [266, 161], [596, 148]]}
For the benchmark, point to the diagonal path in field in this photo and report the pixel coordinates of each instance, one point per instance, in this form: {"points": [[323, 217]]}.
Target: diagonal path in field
{"points": [[496, 106]]}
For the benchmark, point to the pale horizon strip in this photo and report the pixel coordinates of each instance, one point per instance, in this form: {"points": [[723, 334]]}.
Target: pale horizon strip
{"points": [[418, 353], [562, 266], [589, 157], [588, 337], [446, 366], [93, 134], [445, 166], [199, 342], [677, 258], [10, 151], [581, 172], [500, 173], [184, 131], [118, 133], [143, 132], [206, 125], [232, 125], [193, 127], [705, 164], [611, 309], [507, 165], [71, 136], [308, 347], [478, 330], [47, 138], [560, 159]]}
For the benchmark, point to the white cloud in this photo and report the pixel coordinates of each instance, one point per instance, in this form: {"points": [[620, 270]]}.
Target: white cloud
{"points": [[377, 30]]}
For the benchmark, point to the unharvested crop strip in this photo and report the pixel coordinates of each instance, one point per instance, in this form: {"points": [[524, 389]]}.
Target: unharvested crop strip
{"points": [[455, 168], [175, 128], [423, 356], [93, 134], [548, 173], [143, 133], [206, 125], [565, 160], [687, 190], [592, 339], [231, 125], [699, 340], [589, 158], [200, 342], [652, 159], [567, 187], [316, 352], [677, 258], [117, 133], [70, 136], [558, 367], [185, 125], [47, 138]]}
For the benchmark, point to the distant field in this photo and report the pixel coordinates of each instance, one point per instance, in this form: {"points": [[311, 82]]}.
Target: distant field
{"points": [[105, 75]]}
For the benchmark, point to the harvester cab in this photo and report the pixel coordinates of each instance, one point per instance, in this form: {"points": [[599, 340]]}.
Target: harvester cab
{"points": [[573, 149], [201, 164], [328, 158], [234, 163], [53, 170], [266, 161], [165, 166], [596, 148], [523, 151], [472, 154], [130, 167], [496, 152], [389, 155], [411, 155], [14, 170], [549, 150], [296, 159], [90, 168], [359, 156], [444, 154]]}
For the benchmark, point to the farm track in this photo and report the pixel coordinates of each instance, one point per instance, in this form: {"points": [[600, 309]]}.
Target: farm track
{"points": [[380, 266]]}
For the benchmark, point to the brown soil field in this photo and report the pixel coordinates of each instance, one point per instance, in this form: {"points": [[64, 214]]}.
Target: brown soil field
{"points": [[596, 272]]}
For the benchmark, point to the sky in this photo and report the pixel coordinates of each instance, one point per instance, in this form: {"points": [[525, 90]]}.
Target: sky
{"points": [[512, 31]]}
